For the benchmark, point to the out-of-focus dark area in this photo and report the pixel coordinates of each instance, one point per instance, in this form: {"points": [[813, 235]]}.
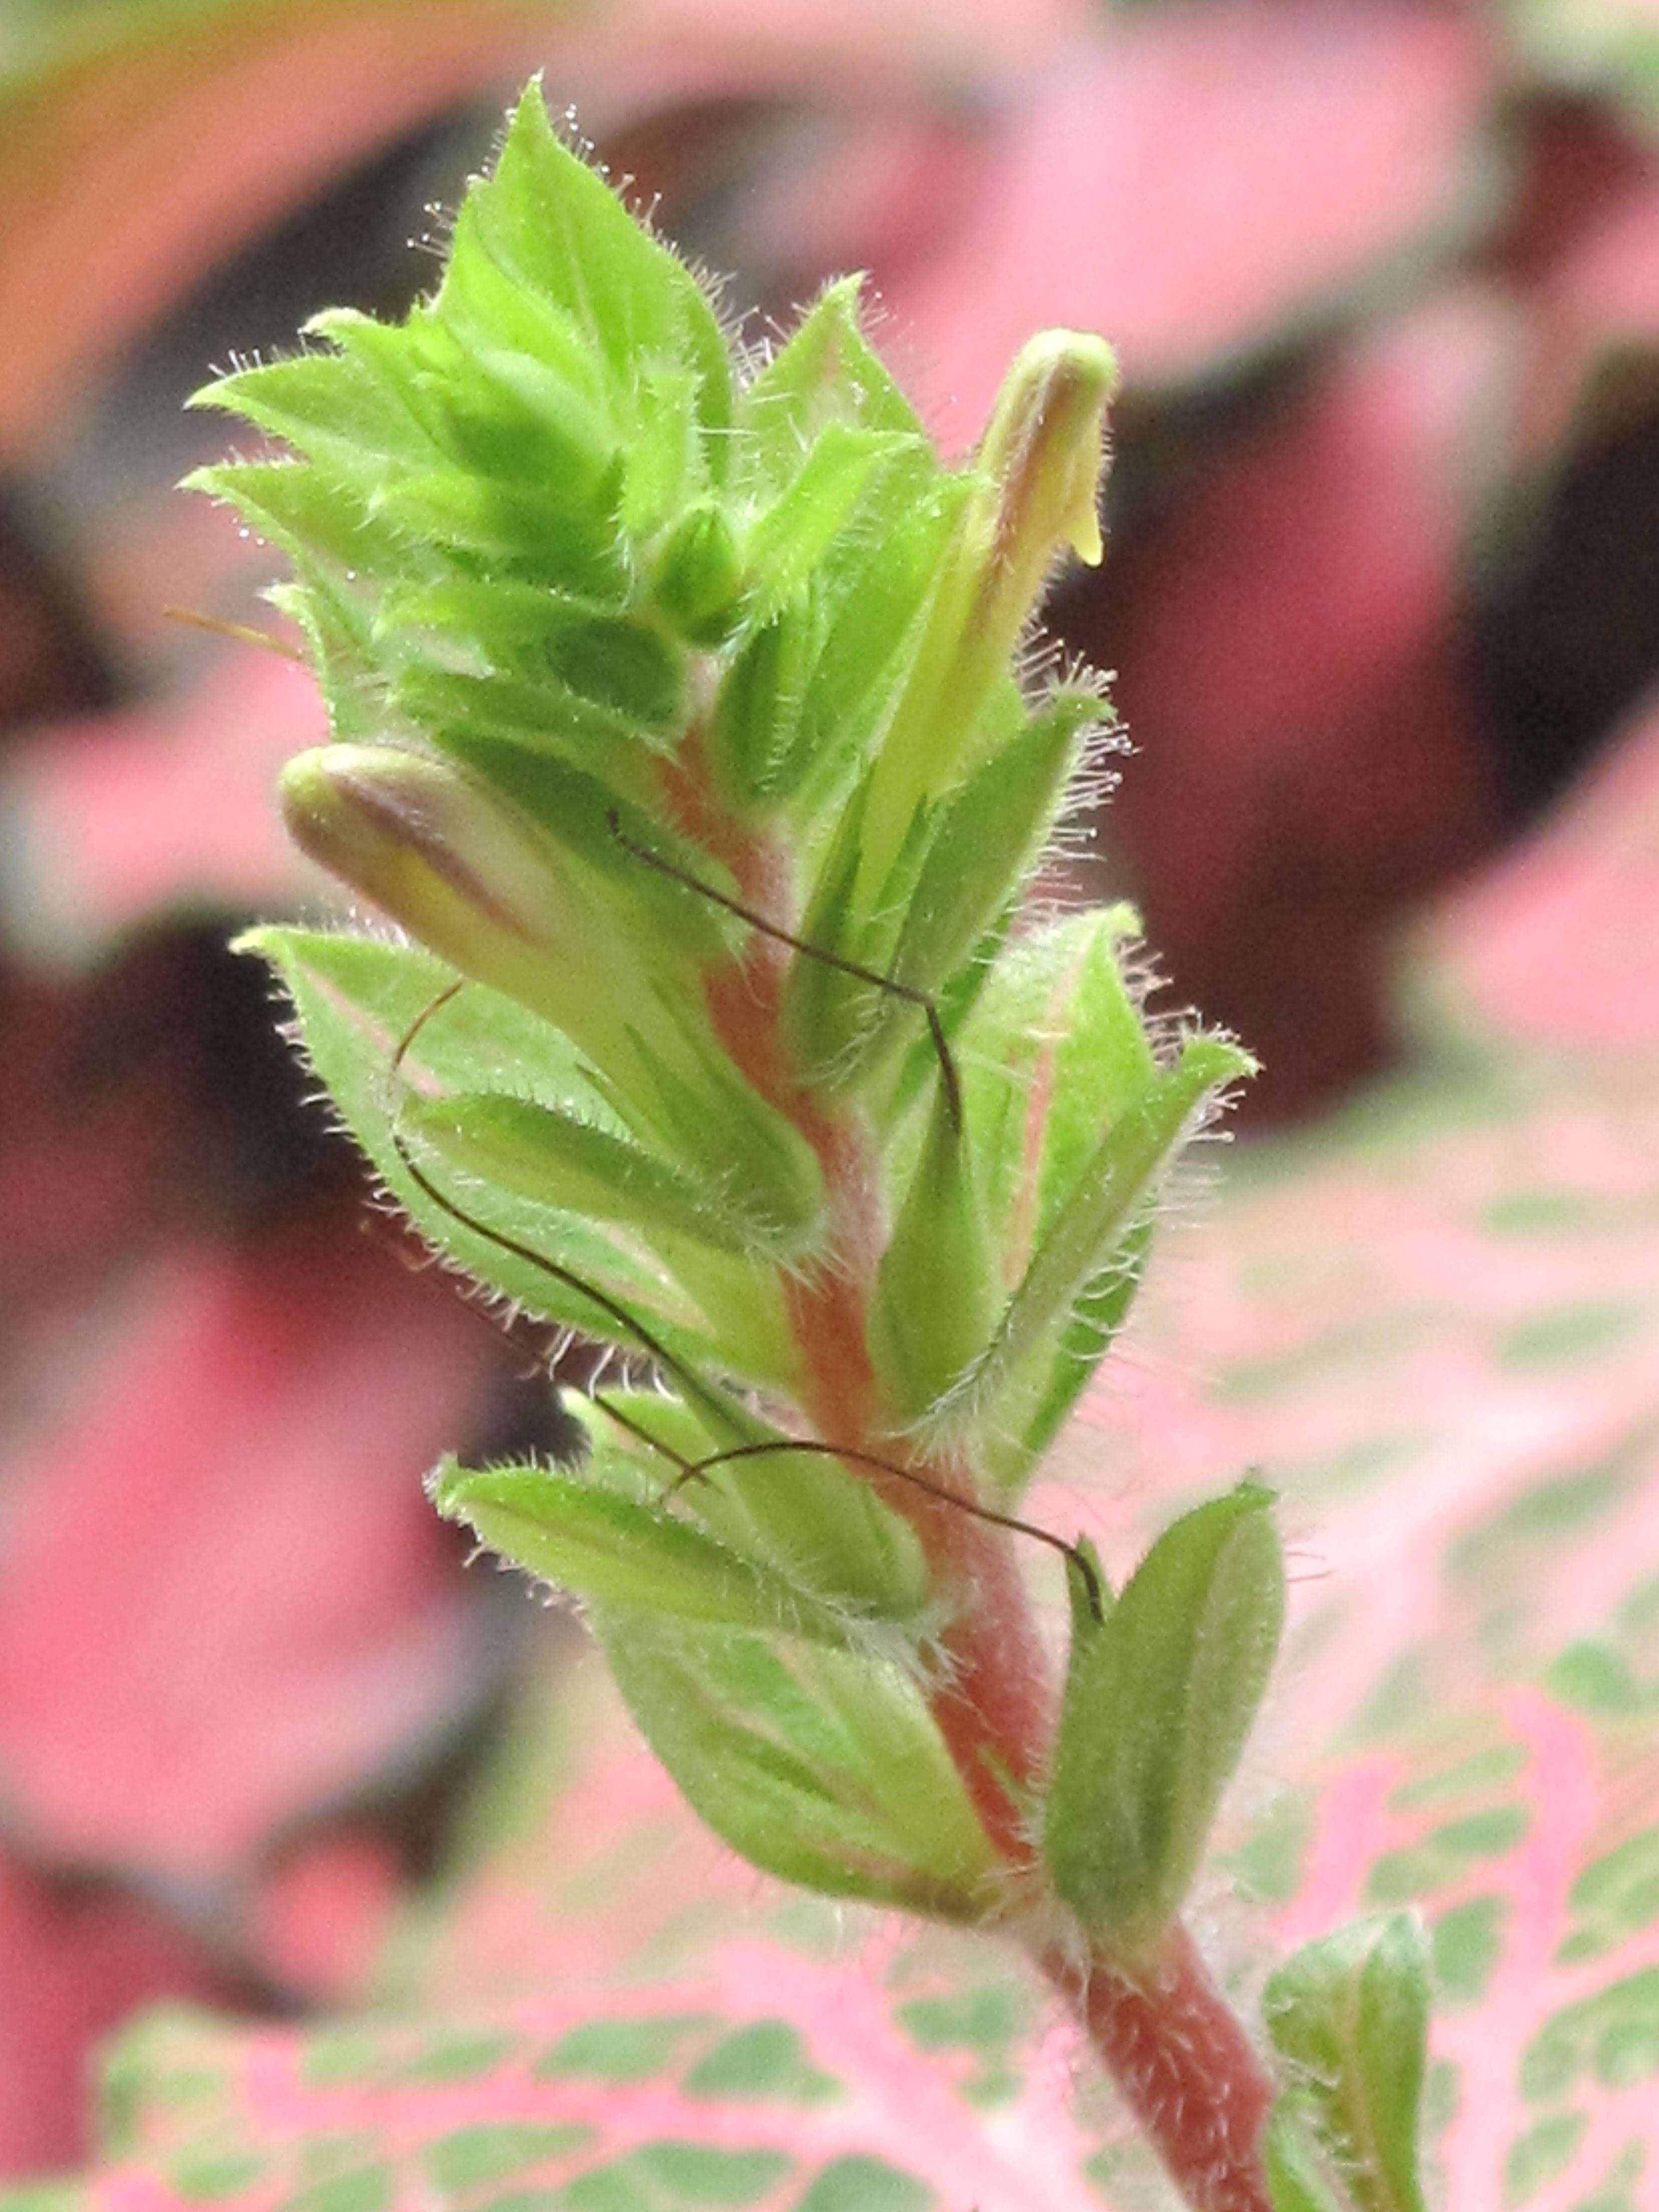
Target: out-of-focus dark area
{"points": [[1383, 579]]}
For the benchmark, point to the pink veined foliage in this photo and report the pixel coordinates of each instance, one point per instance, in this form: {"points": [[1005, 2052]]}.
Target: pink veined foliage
{"points": [[1433, 1328], [1433, 1324]]}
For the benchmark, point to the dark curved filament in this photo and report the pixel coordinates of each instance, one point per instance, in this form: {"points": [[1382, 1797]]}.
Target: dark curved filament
{"points": [[698, 1470], [630, 1326], [908, 992]]}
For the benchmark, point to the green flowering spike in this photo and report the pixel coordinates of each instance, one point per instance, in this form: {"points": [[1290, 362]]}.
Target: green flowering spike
{"points": [[677, 714], [615, 1550], [935, 1299], [1159, 1701], [1349, 2017], [824, 1767]]}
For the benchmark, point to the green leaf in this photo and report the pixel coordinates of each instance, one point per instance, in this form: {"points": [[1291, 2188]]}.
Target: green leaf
{"points": [[827, 373], [757, 714], [801, 1512], [1120, 1176], [311, 512], [354, 999], [789, 540], [877, 587], [560, 1160], [934, 1300], [480, 305], [622, 666], [1054, 1000], [551, 223], [824, 1767], [615, 1550], [1299, 2180], [459, 513], [330, 406], [1092, 1327], [1159, 1701], [1349, 2017], [698, 575], [512, 417], [988, 834]]}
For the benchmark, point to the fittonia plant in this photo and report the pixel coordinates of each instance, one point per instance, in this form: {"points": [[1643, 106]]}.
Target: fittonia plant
{"points": [[685, 715]]}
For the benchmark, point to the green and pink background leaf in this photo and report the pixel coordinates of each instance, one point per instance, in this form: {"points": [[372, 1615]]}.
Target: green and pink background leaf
{"points": [[1433, 1323]]}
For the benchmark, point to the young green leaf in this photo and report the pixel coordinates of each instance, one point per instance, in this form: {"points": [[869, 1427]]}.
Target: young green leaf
{"points": [[354, 999], [555, 1158], [1348, 2016], [801, 1512], [935, 1292], [615, 1550], [827, 373], [822, 1766], [1159, 1701], [791, 537], [553, 225], [1299, 2178], [987, 836], [1104, 1208]]}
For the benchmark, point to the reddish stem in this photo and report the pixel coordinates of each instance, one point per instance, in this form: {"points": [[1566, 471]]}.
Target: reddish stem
{"points": [[1179, 2056], [1185, 2067]]}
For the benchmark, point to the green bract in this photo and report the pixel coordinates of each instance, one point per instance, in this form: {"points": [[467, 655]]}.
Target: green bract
{"points": [[1349, 2016], [1159, 1701]]}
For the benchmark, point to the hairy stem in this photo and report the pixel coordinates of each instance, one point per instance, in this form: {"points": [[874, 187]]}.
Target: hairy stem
{"points": [[1180, 2057], [1185, 2067]]}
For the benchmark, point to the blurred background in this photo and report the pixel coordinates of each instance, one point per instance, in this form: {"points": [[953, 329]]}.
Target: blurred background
{"points": [[1383, 586]]}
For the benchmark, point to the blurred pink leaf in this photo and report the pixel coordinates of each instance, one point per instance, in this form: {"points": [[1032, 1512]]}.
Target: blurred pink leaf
{"points": [[225, 1600], [1436, 1328], [1192, 180], [1284, 635], [125, 816], [74, 1959], [1561, 947], [127, 173]]}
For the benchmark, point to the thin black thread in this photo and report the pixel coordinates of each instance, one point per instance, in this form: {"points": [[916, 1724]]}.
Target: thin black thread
{"points": [[698, 1470], [651, 1345], [432, 1006], [908, 992]]}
